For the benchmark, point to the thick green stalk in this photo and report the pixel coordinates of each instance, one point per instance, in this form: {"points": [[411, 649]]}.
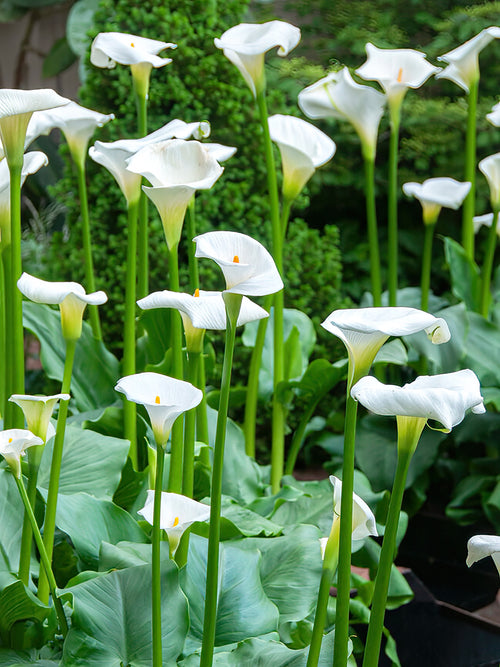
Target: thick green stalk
{"points": [[15, 329], [345, 546], [425, 280], [190, 429], [143, 239], [392, 209], [3, 356], [470, 171], [175, 474], [55, 468], [194, 280], [63, 625], [488, 265], [10, 286], [201, 413], [87, 247], [285, 216], [210, 616], [128, 363], [298, 437], [34, 458], [371, 219], [330, 563], [156, 576]]}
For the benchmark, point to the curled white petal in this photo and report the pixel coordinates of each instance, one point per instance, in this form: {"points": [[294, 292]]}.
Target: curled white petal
{"points": [[490, 167], [486, 220], [445, 192], [363, 520], [480, 546], [13, 444], [38, 410], [44, 291], [109, 48], [494, 115], [14, 101]]}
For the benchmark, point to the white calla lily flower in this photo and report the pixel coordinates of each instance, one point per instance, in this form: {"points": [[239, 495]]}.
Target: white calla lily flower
{"points": [[176, 514], [176, 169], [303, 149], [338, 96], [442, 398], [396, 70], [434, 193], [363, 520], [220, 152], [481, 546], [248, 267], [71, 298], [38, 411], [13, 444], [246, 44], [463, 62], [110, 48], [364, 330], [494, 115], [164, 398], [486, 220], [490, 167]]}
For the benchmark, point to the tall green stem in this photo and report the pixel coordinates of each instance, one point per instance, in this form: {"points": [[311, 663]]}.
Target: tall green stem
{"points": [[143, 249], [10, 286], [87, 247], [34, 458], [55, 468], [488, 265], [470, 171], [194, 280], [63, 625], [345, 545], [210, 617], [298, 437], [201, 413], [285, 216], [371, 219], [392, 208], [175, 474], [3, 356], [128, 363], [16, 348], [190, 429], [156, 575], [425, 280]]}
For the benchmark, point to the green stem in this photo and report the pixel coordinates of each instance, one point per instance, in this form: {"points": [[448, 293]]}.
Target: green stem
{"points": [[392, 209], [194, 279], [3, 356], [190, 429], [63, 625], [128, 363], [488, 265], [298, 437], [285, 216], [143, 250], [201, 413], [87, 247], [156, 576], [371, 219], [175, 474], [210, 617], [425, 280], [345, 546], [9, 360], [470, 171], [34, 458], [55, 468]]}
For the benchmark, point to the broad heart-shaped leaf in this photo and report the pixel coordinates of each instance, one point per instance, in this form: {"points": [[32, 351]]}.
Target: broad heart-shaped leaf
{"points": [[156, 341], [127, 554], [243, 608], [290, 570], [483, 350], [299, 340], [10, 658], [92, 463], [465, 274], [313, 506], [89, 522], [95, 369], [111, 621], [11, 522], [17, 603]]}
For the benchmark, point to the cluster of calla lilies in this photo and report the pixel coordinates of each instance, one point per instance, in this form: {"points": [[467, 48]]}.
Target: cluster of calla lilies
{"points": [[176, 163]]}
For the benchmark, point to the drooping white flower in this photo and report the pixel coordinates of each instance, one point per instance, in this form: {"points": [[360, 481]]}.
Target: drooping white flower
{"points": [[486, 220], [13, 444], [71, 298], [480, 546], [248, 267], [463, 62], [303, 149], [338, 96], [494, 115], [38, 411], [363, 520], [434, 193], [443, 398], [364, 330], [164, 398], [246, 44], [109, 48], [490, 167]]}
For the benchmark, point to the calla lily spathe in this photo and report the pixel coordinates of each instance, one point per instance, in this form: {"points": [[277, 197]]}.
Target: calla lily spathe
{"points": [[13, 444], [364, 330], [248, 267], [463, 62], [494, 115], [480, 546], [71, 298], [363, 520], [303, 149], [396, 70], [109, 48], [246, 44], [443, 398], [176, 169], [164, 398], [338, 96], [490, 167], [434, 193], [486, 220], [38, 411]]}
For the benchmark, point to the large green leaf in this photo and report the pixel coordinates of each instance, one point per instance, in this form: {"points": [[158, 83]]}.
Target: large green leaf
{"points": [[483, 350], [313, 506], [11, 522], [10, 658], [80, 20], [127, 554], [243, 608], [17, 603], [92, 463], [111, 621], [59, 58], [465, 274], [95, 370], [89, 522]]}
